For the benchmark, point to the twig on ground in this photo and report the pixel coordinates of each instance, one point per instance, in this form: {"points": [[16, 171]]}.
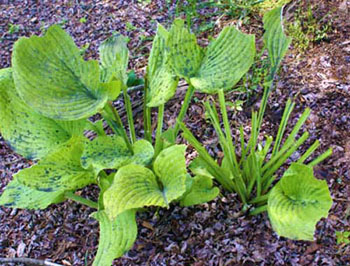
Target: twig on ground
{"points": [[28, 261]]}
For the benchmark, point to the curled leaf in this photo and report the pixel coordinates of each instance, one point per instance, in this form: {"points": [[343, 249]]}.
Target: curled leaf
{"points": [[297, 202], [116, 236]]}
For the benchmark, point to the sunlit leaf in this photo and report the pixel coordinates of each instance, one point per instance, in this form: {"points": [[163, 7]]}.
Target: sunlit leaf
{"points": [[135, 186], [297, 202], [52, 77], [27, 132], [226, 60], [116, 237]]}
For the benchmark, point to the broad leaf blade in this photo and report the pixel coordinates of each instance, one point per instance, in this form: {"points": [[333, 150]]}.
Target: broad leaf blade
{"points": [[51, 76], [297, 202], [111, 152], [17, 195], [162, 82], [185, 55], [202, 191], [114, 57], [60, 171], [134, 186], [170, 167], [226, 60], [276, 41], [116, 237], [27, 132]]}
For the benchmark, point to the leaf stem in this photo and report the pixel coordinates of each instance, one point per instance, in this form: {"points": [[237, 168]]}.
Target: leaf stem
{"points": [[79, 199], [258, 210], [129, 115], [184, 107], [147, 114], [158, 145], [118, 127]]}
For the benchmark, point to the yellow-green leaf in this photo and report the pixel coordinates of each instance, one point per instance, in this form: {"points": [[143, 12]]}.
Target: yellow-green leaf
{"points": [[201, 191], [185, 55], [52, 77], [27, 132], [162, 81], [114, 57], [111, 152], [116, 237], [17, 195], [60, 171], [297, 202], [226, 60], [170, 167], [134, 186], [276, 41]]}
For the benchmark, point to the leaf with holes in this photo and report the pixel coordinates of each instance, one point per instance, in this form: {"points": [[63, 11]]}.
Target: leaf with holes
{"points": [[136, 186], [162, 82], [116, 237], [111, 152], [27, 132], [297, 202], [226, 60], [51, 76]]}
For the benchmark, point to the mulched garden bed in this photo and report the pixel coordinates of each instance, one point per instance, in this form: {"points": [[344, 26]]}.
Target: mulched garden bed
{"points": [[215, 233]]}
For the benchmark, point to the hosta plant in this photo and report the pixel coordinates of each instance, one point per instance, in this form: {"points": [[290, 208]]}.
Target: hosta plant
{"points": [[49, 94], [249, 168]]}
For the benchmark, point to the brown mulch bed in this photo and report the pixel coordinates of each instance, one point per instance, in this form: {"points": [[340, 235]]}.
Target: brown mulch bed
{"points": [[210, 234]]}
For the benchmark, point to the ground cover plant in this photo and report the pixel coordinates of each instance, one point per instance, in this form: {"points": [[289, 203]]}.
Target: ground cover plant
{"points": [[69, 156]]}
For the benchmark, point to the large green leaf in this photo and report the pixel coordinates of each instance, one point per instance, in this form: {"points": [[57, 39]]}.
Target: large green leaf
{"points": [[111, 152], [27, 132], [17, 195], [185, 55], [114, 57], [226, 60], [60, 171], [162, 82], [276, 41], [52, 77], [116, 237], [135, 186], [201, 191], [297, 202]]}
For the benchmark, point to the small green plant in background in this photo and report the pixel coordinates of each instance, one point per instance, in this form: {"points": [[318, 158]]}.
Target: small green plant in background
{"points": [[343, 237], [13, 28], [83, 20], [306, 29]]}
